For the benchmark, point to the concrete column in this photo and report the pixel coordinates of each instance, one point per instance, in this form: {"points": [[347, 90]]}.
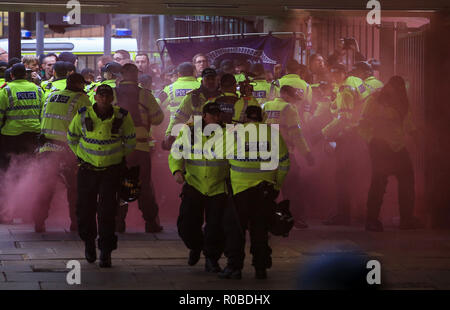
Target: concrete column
{"points": [[39, 34], [107, 37], [14, 35]]}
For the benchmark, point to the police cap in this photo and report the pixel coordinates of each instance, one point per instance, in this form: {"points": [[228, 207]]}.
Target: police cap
{"points": [[209, 72], [18, 70], [104, 90]]}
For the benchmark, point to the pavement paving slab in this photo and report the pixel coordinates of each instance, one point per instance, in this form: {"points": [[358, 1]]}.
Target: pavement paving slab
{"points": [[28, 260]]}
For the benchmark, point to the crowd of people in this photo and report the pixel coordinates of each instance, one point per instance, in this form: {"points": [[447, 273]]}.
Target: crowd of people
{"points": [[86, 128]]}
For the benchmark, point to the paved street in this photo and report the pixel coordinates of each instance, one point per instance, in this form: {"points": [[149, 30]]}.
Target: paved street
{"points": [[409, 260]]}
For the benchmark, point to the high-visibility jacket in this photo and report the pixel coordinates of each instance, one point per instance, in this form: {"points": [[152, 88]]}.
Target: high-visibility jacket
{"points": [[172, 94], [264, 91], [236, 105], [239, 77], [347, 107], [381, 121], [20, 108], [100, 146], [58, 110], [304, 91], [286, 116], [90, 88], [143, 108], [93, 91], [191, 105], [56, 84], [249, 158], [373, 84], [207, 174]]}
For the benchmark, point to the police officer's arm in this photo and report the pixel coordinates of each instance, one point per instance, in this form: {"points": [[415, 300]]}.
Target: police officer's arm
{"points": [[345, 103], [3, 105], [176, 162], [128, 135], [155, 113], [83, 101], [284, 163], [294, 131], [163, 96], [182, 114], [74, 133]]}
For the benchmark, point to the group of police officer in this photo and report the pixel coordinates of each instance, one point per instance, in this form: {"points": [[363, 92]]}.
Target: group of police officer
{"points": [[104, 127]]}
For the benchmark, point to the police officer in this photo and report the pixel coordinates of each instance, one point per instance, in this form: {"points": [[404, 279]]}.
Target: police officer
{"points": [[255, 188], [231, 103], [292, 78], [389, 120], [281, 111], [59, 78], [145, 112], [173, 94], [110, 73], [20, 107], [263, 91], [192, 103], [341, 132], [203, 195], [364, 71], [100, 136], [56, 158]]}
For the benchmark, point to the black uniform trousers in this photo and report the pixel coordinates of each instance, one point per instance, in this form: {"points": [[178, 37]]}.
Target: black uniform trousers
{"points": [[58, 165], [146, 201], [98, 197], [344, 174], [386, 162], [25, 143], [196, 209], [252, 209]]}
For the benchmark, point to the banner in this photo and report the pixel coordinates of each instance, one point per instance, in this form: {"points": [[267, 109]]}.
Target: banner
{"points": [[267, 50]]}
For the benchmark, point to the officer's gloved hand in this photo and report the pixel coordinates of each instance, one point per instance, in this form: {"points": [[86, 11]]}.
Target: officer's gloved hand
{"points": [[179, 177]]}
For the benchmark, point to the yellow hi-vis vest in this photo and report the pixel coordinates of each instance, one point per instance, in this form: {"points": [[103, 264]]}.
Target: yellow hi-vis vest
{"points": [[206, 174], [99, 146], [286, 115], [248, 157], [58, 111], [20, 108], [174, 93], [348, 106], [191, 105], [264, 91]]}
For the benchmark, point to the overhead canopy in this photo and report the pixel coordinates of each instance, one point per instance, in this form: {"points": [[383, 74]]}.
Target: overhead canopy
{"points": [[214, 7]]}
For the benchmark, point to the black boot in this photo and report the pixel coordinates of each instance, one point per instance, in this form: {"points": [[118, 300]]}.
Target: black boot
{"points": [[230, 273], [194, 257], [212, 266], [90, 251], [105, 259]]}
